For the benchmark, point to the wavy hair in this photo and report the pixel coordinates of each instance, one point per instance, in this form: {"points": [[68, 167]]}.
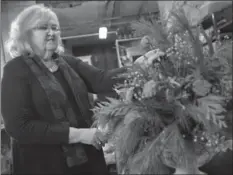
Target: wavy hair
{"points": [[17, 43]]}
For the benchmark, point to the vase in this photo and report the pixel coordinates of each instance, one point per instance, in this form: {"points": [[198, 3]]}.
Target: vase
{"points": [[188, 171], [185, 156], [177, 160]]}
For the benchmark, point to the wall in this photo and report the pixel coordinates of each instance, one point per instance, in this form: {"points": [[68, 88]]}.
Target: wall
{"points": [[103, 56], [90, 15], [191, 8]]}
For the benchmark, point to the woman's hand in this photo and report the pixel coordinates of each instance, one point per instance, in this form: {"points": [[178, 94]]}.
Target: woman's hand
{"points": [[148, 58], [110, 158], [90, 136], [149, 89]]}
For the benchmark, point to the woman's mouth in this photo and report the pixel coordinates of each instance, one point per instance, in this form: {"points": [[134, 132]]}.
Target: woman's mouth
{"points": [[50, 39]]}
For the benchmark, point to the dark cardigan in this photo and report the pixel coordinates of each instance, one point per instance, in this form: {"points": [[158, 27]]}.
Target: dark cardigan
{"points": [[28, 118]]}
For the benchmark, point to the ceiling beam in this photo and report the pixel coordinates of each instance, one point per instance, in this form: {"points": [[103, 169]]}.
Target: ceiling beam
{"points": [[85, 35]]}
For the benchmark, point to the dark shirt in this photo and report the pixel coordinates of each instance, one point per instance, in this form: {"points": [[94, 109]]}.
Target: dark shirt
{"points": [[71, 99], [91, 152]]}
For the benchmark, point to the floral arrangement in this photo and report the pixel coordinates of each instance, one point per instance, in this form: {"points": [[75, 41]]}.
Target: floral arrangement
{"points": [[175, 105]]}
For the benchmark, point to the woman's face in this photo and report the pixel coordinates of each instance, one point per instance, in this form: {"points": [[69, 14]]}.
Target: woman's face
{"points": [[43, 38]]}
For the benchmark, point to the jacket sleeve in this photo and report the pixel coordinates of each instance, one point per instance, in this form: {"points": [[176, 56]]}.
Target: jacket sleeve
{"points": [[19, 119], [97, 80]]}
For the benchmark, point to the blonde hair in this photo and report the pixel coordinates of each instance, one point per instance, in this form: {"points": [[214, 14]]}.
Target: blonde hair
{"points": [[17, 44]]}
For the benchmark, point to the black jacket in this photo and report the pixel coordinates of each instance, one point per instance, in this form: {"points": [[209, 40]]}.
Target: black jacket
{"points": [[28, 117]]}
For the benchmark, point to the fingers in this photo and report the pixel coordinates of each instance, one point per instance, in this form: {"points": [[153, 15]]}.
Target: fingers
{"points": [[139, 60], [97, 144], [99, 139], [149, 57], [129, 94], [149, 89]]}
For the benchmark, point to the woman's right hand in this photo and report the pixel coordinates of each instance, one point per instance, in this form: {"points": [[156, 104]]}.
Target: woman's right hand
{"points": [[148, 58], [90, 136]]}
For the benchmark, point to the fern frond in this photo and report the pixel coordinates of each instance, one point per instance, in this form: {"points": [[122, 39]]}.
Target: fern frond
{"points": [[129, 139]]}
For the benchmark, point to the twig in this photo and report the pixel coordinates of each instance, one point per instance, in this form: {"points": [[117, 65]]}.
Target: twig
{"points": [[195, 42], [209, 42]]}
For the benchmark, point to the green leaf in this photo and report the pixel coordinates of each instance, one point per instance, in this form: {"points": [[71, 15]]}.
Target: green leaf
{"points": [[201, 87], [212, 105]]}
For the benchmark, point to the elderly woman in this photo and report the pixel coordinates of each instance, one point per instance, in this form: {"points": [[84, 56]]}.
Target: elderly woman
{"points": [[45, 103]]}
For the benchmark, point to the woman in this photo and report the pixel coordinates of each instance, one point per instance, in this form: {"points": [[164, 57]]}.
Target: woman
{"points": [[45, 103]]}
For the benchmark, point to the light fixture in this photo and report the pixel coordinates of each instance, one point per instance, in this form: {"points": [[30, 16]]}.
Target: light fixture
{"points": [[103, 31]]}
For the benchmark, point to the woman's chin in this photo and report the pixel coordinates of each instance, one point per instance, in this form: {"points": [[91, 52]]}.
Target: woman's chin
{"points": [[51, 45], [51, 48]]}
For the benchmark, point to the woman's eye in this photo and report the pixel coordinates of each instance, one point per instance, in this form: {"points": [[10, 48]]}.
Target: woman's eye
{"points": [[42, 27], [55, 28], [46, 27]]}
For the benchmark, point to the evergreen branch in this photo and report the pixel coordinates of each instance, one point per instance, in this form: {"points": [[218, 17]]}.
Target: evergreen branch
{"points": [[107, 111], [141, 163], [129, 138]]}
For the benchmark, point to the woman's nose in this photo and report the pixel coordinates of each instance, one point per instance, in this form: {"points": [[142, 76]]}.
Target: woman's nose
{"points": [[51, 31]]}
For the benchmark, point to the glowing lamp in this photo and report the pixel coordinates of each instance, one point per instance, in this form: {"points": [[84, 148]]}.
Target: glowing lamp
{"points": [[103, 31]]}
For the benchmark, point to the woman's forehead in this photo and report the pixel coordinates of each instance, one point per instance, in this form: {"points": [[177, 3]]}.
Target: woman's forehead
{"points": [[47, 21], [47, 17]]}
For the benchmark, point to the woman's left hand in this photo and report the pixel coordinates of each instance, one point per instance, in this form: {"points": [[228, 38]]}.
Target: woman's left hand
{"points": [[100, 138]]}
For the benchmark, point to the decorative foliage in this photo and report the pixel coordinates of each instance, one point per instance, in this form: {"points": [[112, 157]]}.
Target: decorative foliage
{"points": [[173, 105]]}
